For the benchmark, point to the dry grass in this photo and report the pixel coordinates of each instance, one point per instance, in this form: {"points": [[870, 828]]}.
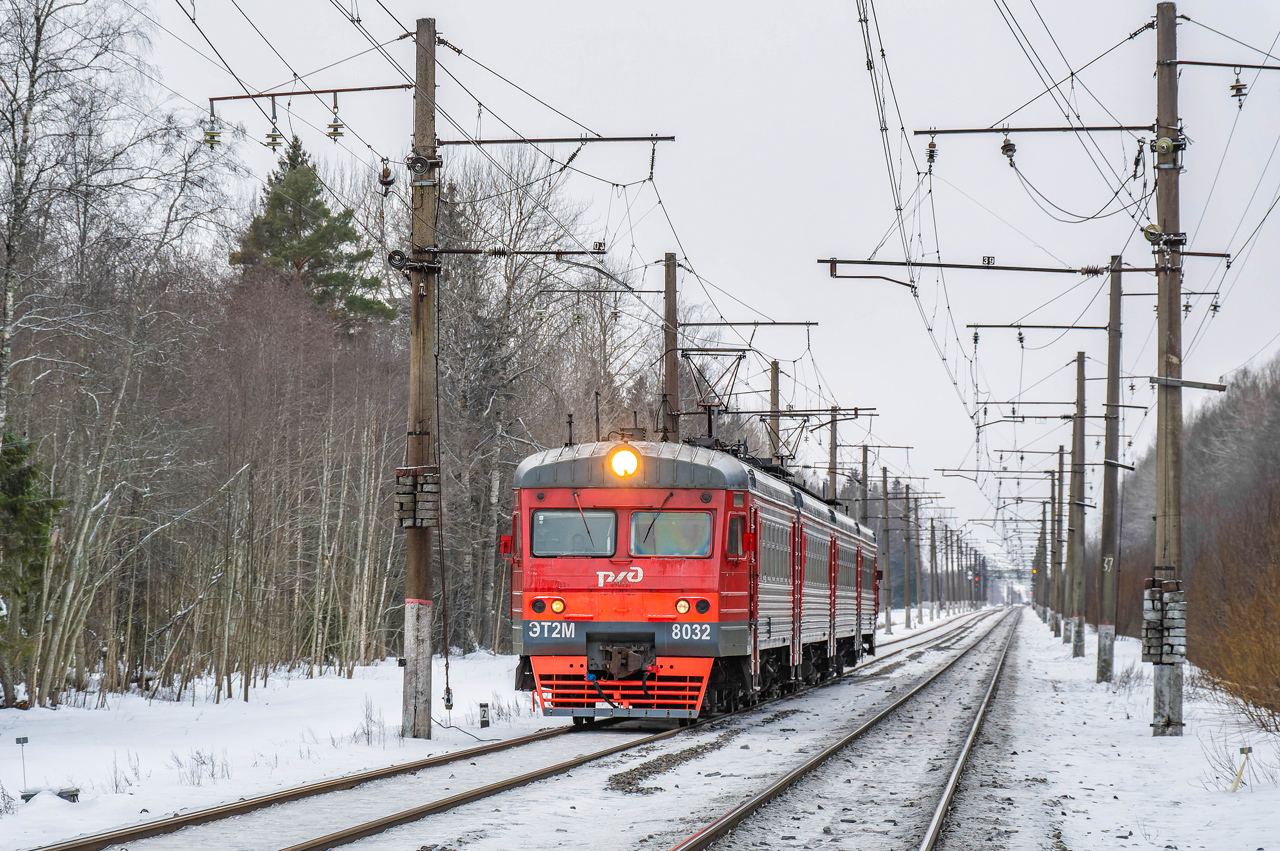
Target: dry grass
{"points": [[1234, 607]]}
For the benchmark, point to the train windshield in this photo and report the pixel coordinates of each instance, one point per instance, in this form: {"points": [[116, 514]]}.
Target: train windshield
{"points": [[570, 532], [671, 533]]}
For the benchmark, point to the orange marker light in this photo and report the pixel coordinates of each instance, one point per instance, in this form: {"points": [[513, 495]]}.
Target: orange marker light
{"points": [[624, 462]]}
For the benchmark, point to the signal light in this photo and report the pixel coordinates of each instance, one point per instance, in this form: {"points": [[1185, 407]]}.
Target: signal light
{"points": [[682, 606], [624, 462], [702, 606], [538, 606], [557, 606]]}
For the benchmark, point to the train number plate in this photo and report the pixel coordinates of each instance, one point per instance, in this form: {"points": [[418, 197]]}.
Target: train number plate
{"points": [[691, 631]]}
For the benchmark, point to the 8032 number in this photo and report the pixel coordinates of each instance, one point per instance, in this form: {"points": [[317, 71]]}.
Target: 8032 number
{"points": [[691, 631]]}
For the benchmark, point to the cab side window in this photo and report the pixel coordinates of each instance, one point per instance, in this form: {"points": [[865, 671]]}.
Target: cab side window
{"points": [[737, 526]]}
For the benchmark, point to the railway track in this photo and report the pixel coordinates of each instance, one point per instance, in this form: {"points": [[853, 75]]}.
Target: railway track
{"points": [[941, 811], [736, 823], [329, 790]]}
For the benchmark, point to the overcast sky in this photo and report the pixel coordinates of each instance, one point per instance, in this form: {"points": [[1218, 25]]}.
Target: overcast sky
{"points": [[779, 161]]}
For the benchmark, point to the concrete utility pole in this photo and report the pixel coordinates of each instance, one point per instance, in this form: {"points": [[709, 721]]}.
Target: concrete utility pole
{"points": [[671, 352], [423, 441], [919, 566], [933, 572], [1075, 517], [833, 483], [1059, 566], [1042, 560], [775, 441], [906, 555], [884, 547], [949, 570], [973, 583], [866, 487], [934, 595], [1167, 720], [1109, 563]]}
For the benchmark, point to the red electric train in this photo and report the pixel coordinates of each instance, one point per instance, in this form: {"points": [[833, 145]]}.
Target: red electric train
{"points": [[667, 580]]}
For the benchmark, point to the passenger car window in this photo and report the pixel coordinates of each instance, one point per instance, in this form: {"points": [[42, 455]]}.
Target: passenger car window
{"points": [[671, 533], [570, 532]]}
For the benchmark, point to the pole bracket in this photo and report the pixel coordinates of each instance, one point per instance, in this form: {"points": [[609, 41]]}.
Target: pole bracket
{"points": [[1194, 385]]}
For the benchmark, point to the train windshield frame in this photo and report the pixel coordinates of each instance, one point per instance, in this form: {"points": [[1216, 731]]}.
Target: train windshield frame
{"points": [[671, 534], [573, 533]]}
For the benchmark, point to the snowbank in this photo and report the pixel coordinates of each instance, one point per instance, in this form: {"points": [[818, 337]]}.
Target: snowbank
{"points": [[1081, 757], [136, 760]]}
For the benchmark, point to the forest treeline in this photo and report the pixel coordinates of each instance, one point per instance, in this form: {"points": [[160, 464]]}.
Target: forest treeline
{"points": [[1231, 541], [203, 397]]}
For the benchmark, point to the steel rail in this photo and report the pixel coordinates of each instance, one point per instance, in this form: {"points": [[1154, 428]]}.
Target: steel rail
{"points": [[363, 831], [148, 830], [940, 814], [372, 828], [727, 822]]}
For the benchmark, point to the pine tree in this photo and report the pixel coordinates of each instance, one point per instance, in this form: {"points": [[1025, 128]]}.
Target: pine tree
{"points": [[297, 235], [27, 515]]}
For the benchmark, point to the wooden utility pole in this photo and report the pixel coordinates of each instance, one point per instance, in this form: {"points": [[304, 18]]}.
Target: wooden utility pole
{"points": [[884, 547], [833, 483], [1167, 720], [422, 451], [906, 556], [1075, 517], [1108, 564], [671, 353], [866, 488], [775, 440]]}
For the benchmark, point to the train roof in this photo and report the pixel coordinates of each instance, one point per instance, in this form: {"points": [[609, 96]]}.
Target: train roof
{"points": [[671, 465]]}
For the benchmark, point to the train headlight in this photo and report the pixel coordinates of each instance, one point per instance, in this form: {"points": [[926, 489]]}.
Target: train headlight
{"points": [[539, 606], [682, 606], [624, 462], [703, 607], [557, 606]]}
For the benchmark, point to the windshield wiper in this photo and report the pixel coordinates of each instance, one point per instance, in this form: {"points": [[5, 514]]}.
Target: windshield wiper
{"points": [[655, 516], [583, 514]]}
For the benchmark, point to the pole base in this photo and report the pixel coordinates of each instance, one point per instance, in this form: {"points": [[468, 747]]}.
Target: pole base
{"points": [[1167, 707], [1106, 651], [416, 704]]}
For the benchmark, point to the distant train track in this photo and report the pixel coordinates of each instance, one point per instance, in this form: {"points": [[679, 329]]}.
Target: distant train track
{"points": [[161, 827]]}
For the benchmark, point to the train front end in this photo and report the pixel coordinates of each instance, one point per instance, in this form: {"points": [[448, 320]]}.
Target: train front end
{"points": [[629, 578]]}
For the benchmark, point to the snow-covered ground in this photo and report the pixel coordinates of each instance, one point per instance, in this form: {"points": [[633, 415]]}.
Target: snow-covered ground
{"points": [[1064, 762], [1059, 755], [136, 759]]}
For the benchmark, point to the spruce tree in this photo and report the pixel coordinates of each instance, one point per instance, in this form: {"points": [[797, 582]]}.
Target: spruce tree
{"points": [[299, 237], [27, 515]]}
